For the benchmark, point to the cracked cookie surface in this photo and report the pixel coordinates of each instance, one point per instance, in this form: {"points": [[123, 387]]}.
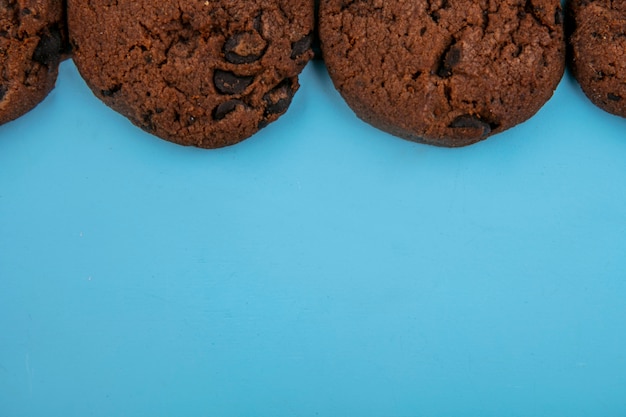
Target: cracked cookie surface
{"points": [[31, 45], [598, 51], [447, 73], [207, 73]]}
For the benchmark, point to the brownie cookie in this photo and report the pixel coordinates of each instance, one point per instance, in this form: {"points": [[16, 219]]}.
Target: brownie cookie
{"points": [[447, 73], [598, 51], [201, 73], [31, 44]]}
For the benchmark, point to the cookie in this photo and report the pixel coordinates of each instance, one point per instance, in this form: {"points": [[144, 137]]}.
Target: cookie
{"points": [[597, 45], [31, 46], [447, 73], [201, 73]]}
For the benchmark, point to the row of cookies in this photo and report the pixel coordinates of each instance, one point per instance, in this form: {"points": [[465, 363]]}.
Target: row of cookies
{"points": [[212, 73]]}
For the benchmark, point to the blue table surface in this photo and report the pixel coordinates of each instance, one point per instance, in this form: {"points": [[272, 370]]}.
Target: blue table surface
{"points": [[320, 268]]}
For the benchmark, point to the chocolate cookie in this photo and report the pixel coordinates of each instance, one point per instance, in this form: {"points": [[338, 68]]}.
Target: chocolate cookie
{"points": [[31, 45], [598, 51], [447, 73], [201, 73]]}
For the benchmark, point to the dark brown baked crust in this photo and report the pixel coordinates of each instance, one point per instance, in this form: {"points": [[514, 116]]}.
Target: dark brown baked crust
{"points": [[598, 51], [202, 73], [31, 45], [448, 73]]}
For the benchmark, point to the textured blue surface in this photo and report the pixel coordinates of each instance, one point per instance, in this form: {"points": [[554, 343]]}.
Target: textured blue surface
{"points": [[321, 268]]}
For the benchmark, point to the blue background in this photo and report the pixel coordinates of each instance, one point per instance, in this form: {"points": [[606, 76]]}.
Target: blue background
{"points": [[320, 268]]}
